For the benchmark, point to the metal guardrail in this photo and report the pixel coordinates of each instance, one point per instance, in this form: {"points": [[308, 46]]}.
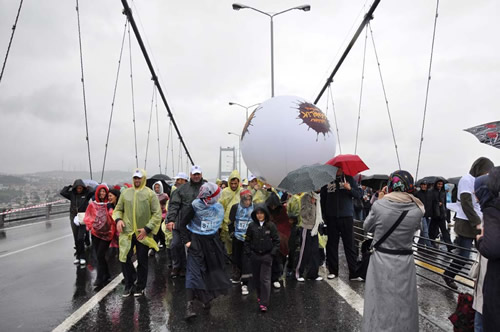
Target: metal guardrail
{"points": [[432, 260], [38, 211]]}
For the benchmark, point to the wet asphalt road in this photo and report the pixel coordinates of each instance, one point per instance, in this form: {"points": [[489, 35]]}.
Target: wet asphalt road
{"points": [[40, 288]]}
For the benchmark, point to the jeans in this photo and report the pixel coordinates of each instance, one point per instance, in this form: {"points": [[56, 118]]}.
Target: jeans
{"points": [[424, 232], [457, 264], [177, 250], [478, 322]]}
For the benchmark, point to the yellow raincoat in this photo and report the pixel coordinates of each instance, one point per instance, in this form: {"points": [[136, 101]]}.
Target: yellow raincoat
{"points": [[138, 208], [260, 195], [228, 198]]}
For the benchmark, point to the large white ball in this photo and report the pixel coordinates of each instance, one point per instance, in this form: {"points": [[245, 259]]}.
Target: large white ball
{"points": [[283, 134]]}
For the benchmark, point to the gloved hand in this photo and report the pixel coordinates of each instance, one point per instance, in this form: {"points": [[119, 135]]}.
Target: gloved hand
{"points": [[76, 221]]}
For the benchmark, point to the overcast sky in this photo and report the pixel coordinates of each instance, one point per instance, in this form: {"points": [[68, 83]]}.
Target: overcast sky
{"points": [[208, 55]]}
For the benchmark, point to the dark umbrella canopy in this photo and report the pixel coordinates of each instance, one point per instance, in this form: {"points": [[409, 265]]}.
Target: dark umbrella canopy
{"points": [[375, 181], [351, 164], [431, 179], [488, 133], [308, 178], [152, 180]]}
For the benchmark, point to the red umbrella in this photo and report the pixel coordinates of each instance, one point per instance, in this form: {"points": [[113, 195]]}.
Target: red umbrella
{"points": [[351, 164]]}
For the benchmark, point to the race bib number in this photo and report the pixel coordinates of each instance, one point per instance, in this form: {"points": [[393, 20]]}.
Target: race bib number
{"points": [[243, 224]]}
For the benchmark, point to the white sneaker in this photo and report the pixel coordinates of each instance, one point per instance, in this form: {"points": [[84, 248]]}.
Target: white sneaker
{"points": [[276, 284], [76, 261], [301, 279], [319, 278], [244, 290], [356, 279], [331, 276], [151, 252], [83, 261]]}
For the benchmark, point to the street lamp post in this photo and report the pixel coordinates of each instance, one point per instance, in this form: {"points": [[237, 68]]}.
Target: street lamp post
{"points": [[246, 113], [238, 6], [239, 149]]}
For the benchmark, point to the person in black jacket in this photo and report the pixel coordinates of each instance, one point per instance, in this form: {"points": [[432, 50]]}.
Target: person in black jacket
{"points": [[337, 210], [488, 244], [262, 243], [426, 197], [79, 197], [439, 214]]}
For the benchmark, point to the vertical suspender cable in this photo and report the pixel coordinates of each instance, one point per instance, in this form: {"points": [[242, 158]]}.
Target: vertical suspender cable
{"points": [[157, 129], [149, 126], [83, 87], [113, 101], [385, 95], [168, 147], [12, 37], [361, 91], [132, 93], [427, 90], [335, 117]]}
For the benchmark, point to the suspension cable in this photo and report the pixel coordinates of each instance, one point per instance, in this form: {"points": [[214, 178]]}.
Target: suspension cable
{"points": [[149, 126], [168, 146], [427, 90], [361, 91], [172, 147], [385, 95], [11, 38], [179, 161], [132, 94], [157, 129], [114, 96], [335, 117], [83, 87]]}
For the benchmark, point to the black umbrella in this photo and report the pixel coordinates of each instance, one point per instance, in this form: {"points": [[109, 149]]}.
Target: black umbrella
{"points": [[163, 179], [454, 180], [431, 179], [375, 181], [308, 178]]}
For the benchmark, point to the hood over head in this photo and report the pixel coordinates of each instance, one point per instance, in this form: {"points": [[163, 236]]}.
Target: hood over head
{"points": [[481, 190], [161, 187], [234, 175], [99, 187], [481, 166], [260, 207], [273, 203], [79, 182], [494, 181]]}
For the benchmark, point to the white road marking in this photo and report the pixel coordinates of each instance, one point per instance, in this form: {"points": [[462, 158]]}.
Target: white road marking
{"points": [[350, 296], [36, 245], [90, 304]]}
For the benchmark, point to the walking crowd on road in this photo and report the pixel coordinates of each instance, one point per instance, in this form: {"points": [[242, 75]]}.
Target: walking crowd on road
{"points": [[249, 235]]}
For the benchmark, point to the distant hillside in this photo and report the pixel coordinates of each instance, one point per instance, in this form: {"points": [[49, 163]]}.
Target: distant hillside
{"points": [[8, 180], [110, 177]]}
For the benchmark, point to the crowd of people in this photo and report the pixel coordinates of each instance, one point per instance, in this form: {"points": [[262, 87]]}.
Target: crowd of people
{"points": [[265, 234]]}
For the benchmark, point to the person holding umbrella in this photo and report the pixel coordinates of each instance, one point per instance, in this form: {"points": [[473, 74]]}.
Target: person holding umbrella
{"points": [[337, 210]]}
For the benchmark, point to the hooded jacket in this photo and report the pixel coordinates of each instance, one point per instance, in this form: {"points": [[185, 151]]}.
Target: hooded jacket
{"points": [[469, 213], [162, 195], [439, 211], [97, 217], [138, 208], [293, 208], [261, 240], [230, 197], [427, 198], [78, 202], [337, 202]]}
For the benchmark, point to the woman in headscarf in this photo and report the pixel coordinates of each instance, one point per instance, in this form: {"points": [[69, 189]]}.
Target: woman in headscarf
{"points": [[488, 244], [205, 275], [102, 227], [391, 284]]}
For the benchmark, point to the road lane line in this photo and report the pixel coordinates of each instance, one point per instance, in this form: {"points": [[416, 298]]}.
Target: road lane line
{"points": [[350, 296], [76, 316], [36, 245], [30, 224]]}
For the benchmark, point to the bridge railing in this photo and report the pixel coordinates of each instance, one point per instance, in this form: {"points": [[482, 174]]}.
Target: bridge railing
{"points": [[44, 210], [434, 260]]}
